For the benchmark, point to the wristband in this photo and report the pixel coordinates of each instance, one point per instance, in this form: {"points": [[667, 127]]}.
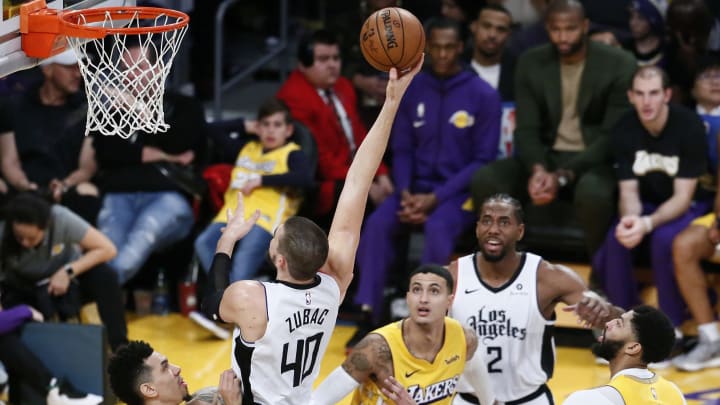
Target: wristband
{"points": [[648, 223]]}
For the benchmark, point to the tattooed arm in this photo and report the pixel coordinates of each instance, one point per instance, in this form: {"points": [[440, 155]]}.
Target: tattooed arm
{"points": [[370, 359]]}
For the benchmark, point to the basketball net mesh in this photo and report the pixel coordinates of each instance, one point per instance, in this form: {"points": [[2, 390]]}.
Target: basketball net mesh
{"points": [[125, 74]]}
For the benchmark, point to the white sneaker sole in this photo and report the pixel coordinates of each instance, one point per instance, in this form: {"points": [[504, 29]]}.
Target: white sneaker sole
{"points": [[209, 325], [689, 366]]}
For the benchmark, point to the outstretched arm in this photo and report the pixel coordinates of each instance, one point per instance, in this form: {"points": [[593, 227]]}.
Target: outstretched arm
{"points": [[345, 229], [235, 229], [558, 283]]}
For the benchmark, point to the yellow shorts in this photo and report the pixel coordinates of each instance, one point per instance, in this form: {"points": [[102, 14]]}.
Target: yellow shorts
{"points": [[707, 221]]}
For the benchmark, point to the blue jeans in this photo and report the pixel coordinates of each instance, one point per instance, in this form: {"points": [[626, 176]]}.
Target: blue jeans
{"points": [[247, 256], [141, 223]]}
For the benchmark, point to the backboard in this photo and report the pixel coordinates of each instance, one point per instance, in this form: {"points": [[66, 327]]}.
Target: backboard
{"points": [[12, 57]]}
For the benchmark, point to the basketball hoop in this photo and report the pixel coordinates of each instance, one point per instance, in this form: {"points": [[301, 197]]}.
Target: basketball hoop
{"points": [[125, 55]]}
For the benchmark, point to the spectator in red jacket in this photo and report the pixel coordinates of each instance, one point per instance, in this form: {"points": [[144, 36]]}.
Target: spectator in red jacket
{"points": [[326, 103]]}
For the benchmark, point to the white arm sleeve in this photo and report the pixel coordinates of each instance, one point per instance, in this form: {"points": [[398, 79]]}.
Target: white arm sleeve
{"points": [[335, 387], [476, 375]]}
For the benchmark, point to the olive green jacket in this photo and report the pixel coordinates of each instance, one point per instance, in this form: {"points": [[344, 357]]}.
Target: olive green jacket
{"points": [[601, 101]]}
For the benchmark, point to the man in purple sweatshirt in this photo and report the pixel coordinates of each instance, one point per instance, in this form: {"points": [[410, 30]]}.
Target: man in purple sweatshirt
{"points": [[447, 127]]}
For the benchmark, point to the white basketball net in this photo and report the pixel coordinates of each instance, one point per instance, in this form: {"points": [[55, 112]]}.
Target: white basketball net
{"points": [[125, 75]]}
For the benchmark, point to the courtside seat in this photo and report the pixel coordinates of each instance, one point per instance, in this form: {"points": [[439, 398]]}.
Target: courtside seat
{"points": [[552, 231]]}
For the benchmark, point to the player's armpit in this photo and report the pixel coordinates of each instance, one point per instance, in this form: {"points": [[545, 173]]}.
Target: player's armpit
{"points": [[243, 304], [341, 260]]}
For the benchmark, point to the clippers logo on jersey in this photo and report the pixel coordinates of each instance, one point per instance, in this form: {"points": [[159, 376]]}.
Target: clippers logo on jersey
{"points": [[434, 392], [462, 119], [305, 317], [655, 162], [491, 323]]}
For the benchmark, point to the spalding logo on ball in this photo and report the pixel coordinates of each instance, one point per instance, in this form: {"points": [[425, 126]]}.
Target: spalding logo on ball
{"points": [[392, 37]]}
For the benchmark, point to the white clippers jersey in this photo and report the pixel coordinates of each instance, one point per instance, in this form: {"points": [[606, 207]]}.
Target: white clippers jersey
{"points": [[515, 340], [280, 367]]}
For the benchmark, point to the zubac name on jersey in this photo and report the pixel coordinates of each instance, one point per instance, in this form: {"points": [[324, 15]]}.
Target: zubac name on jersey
{"points": [[306, 316]]}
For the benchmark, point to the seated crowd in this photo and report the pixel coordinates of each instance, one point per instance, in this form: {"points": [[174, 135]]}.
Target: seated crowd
{"points": [[550, 105]]}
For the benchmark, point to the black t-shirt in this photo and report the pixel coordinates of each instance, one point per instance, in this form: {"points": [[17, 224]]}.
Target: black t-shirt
{"points": [[679, 151], [48, 138]]}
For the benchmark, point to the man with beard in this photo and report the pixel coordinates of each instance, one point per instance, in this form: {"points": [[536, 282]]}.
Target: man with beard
{"points": [[661, 154], [630, 343], [491, 32], [508, 298], [425, 352], [568, 94]]}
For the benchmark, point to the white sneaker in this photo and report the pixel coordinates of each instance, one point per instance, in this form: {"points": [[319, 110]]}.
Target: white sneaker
{"points": [[216, 330], [703, 355], [54, 397]]}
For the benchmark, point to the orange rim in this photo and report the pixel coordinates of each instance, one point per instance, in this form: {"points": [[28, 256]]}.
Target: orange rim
{"points": [[75, 22]]}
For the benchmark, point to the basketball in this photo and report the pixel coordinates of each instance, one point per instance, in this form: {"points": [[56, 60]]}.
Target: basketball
{"points": [[392, 37]]}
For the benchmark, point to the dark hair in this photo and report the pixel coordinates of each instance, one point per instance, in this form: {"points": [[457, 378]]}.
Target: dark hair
{"points": [[272, 106], [647, 72], [495, 7], [28, 208], [306, 45], [25, 208], [689, 17], [506, 199], [441, 23], [436, 269], [469, 8], [707, 62], [127, 371], [564, 6], [654, 331], [304, 246]]}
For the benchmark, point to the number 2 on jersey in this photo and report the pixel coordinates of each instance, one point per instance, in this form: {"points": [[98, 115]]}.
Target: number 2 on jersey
{"points": [[498, 356], [306, 352]]}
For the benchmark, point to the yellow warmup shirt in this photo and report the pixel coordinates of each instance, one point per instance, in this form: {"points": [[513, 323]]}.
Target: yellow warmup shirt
{"points": [[276, 204], [427, 383], [647, 391]]}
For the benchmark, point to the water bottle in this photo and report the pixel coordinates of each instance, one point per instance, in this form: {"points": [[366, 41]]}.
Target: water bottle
{"points": [[161, 298], [187, 290]]}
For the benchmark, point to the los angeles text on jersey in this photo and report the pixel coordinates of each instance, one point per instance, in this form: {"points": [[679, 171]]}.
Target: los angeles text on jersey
{"points": [[434, 392], [306, 316], [492, 323]]}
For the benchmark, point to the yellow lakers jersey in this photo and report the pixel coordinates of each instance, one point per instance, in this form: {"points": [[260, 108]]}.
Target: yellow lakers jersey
{"points": [[647, 391], [426, 382], [276, 204]]}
